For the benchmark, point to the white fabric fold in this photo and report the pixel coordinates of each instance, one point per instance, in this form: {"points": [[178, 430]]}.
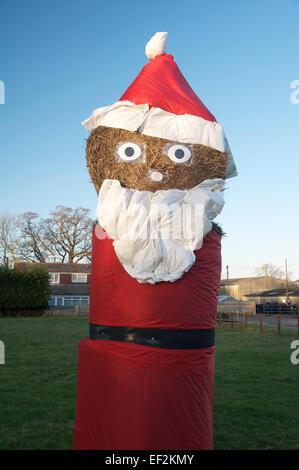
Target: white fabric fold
{"points": [[155, 234], [184, 128], [121, 115]]}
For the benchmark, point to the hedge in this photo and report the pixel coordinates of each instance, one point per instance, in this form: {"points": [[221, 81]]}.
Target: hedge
{"points": [[24, 289]]}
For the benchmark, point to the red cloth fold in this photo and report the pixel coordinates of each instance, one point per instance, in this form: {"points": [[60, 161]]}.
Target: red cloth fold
{"points": [[162, 85]]}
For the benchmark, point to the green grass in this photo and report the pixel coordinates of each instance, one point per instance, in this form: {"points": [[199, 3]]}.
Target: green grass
{"points": [[256, 391], [38, 381], [256, 386]]}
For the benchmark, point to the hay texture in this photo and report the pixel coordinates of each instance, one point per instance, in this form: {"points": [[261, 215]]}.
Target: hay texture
{"points": [[102, 162]]}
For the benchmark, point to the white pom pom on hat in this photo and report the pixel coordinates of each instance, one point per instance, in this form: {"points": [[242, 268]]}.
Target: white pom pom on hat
{"points": [[156, 45]]}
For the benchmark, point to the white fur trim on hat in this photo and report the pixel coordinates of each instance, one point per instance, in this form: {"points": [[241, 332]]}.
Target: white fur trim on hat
{"points": [[121, 115]]}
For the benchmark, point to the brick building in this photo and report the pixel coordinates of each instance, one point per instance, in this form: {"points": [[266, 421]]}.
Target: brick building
{"points": [[69, 282]]}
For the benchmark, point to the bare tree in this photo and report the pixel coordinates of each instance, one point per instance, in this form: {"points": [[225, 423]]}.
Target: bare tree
{"points": [[68, 231], [8, 238], [269, 269], [31, 244], [64, 237]]}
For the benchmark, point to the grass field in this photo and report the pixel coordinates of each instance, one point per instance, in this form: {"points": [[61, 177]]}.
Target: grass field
{"points": [[256, 386]]}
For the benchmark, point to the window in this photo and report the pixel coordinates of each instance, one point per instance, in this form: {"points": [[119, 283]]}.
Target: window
{"points": [[55, 278], [79, 277], [72, 300], [69, 301]]}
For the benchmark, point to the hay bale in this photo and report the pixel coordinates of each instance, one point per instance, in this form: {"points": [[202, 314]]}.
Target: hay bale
{"points": [[101, 150]]}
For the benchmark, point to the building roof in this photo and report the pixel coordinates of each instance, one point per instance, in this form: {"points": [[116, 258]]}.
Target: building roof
{"points": [[293, 292], [69, 289], [55, 267], [236, 280], [228, 298]]}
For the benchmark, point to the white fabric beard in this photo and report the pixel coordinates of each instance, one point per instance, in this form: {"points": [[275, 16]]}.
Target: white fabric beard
{"points": [[155, 234]]}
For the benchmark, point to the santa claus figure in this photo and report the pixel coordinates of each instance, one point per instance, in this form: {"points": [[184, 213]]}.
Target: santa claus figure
{"points": [[158, 160]]}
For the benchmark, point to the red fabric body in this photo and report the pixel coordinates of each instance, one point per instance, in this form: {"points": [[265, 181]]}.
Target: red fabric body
{"points": [[118, 299], [161, 84], [133, 397]]}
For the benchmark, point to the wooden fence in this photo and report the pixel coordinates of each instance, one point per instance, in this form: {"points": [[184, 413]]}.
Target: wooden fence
{"points": [[236, 307], [71, 311], [290, 322]]}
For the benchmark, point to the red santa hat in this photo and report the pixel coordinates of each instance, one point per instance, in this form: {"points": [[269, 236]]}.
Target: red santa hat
{"points": [[161, 103]]}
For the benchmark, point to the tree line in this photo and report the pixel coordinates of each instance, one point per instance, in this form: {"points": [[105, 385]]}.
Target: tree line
{"points": [[63, 237]]}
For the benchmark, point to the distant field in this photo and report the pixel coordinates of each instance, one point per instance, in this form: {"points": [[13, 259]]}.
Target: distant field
{"points": [[256, 386]]}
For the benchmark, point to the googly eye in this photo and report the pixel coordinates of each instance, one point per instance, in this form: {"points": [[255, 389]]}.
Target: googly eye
{"points": [[129, 152], [179, 153]]}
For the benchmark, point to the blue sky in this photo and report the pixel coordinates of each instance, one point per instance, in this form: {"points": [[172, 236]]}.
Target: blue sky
{"points": [[62, 59]]}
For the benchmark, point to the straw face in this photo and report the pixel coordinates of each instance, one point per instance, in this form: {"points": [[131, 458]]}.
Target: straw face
{"points": [[108, 158]]}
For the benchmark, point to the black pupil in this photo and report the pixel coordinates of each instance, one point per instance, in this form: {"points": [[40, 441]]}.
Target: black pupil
{"points": [[129, 151], [179, 153]]}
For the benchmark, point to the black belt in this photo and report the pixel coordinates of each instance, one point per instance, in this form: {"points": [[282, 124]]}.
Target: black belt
{"points": [[159, 338]]}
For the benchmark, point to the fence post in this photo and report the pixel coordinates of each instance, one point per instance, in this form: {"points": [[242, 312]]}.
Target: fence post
{"points": [[232, 320], [261, 322], [298, 325], [278, 324], [219, 322], [245, 321]]}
